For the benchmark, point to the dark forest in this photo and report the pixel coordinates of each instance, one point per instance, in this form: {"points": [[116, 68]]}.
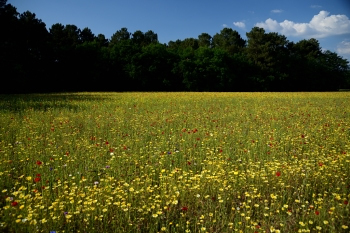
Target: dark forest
{"points": [[65, 58]]}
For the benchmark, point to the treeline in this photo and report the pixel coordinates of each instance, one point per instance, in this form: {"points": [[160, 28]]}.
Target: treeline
{"points": [[66, 58]]}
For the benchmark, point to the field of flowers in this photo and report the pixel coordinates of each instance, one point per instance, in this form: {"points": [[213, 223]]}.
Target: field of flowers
{"points": [[175, 162]]}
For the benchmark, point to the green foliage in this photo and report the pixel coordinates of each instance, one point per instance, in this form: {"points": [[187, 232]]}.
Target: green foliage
{"points": [[137, 61]]}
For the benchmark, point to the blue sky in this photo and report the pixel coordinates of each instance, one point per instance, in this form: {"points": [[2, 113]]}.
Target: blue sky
{"points": [[328, 21]]}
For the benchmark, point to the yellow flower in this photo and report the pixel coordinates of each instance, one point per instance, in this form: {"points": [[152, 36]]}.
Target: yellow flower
{"points": [[325, 222], [344, 227], [28, 178], [163, 229], [154, 215], [104, 210]]}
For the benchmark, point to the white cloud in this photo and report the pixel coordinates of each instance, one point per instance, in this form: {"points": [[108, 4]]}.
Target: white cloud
{"points": [[277, 11], [321, 25], [316, 6], [239, 24], [343, 47], [224, 25]]}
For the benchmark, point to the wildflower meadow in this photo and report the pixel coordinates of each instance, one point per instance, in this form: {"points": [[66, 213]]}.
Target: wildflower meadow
{"points": [[175, 162]]}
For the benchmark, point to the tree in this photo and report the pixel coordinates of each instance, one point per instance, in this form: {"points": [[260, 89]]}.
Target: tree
{"points": [[120, 35], [2, 3], [307, 48], [10, 41], [152, 69], [174, 45], [230, 40], [86, 35], [138, 38], [204, 40], [269, 53], [101, 40], [333, 73], [190, 43], [151, 37], [72, 35], [304, 65], [24, 47]]}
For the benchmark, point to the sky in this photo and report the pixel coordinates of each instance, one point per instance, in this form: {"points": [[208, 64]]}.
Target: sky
{"points": [[328, 21]]}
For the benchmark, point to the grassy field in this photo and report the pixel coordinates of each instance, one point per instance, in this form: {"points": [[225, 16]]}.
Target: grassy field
{"points": [[175, 162]]}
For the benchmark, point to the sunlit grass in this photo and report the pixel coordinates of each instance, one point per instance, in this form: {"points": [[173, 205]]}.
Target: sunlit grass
{"points": [[175, 162]]}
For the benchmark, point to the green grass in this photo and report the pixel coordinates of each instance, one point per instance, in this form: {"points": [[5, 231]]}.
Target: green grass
{"points": [[175, 162]]}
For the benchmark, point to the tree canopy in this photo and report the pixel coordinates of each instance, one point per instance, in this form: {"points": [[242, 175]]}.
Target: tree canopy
{"points": [[67, 58]]}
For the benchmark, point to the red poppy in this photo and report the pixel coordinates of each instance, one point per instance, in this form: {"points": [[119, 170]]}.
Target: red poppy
{"points": [[346, 202], [38, 175], [184, 208], [188, 163], [38, 162], [317, 212], [278, 173], [320, 164], [107, 142], [302, 136], [37, 179], [14, 203], [198, 139]]}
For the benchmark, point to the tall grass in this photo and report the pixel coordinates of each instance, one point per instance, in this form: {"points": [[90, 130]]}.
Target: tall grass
{"points": [[175, 162]]}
